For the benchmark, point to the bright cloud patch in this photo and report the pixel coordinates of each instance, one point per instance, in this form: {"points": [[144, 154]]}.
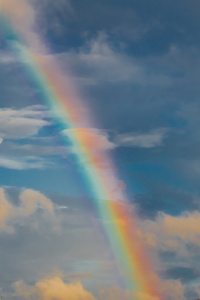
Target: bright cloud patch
{"points": [[97, 139], [22, 163], [151, 139], [173, 233], [23, 123], [53, 289], [30, 201]]}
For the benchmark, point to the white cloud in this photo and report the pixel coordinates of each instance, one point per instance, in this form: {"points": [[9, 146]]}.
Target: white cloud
{"points": [[22, 123], [23, 163], [35, 147], [150, 139]]}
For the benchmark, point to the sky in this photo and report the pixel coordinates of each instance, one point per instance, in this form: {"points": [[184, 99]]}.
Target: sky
{"points": [[133, 70]]}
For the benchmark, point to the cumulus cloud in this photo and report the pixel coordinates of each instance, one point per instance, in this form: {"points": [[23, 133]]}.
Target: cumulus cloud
{"points": [[30, 201], [53, 288], [22, 123], [150, 139], [174, 290], [173, 233]]}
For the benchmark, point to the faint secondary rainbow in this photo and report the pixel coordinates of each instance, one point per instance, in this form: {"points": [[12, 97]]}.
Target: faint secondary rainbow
{"points": [[119, 223]]}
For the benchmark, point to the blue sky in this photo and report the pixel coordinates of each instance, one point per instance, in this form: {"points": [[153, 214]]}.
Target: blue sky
{"points": [[135, 65]]}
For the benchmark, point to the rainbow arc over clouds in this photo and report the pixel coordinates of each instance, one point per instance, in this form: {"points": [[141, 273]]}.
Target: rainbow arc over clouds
{"points": [[120, 224]]}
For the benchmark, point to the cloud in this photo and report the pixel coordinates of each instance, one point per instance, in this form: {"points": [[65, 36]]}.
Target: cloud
{"points": [[23, 163], [96, 139], [151, 139], [58, 11], [6, 210], [53, 288], [144, 296], [115, 293], [22, 123], [174, 290], [173, 233], [30, 201], [35, 147], [100, 61], [170, 290]]}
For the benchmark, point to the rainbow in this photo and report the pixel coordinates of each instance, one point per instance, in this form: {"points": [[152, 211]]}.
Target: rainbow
{"points": [[120, 224]]}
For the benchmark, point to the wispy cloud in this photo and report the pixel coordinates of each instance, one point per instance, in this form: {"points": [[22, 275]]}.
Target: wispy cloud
{"points": [[149, 139], [24, 163], [98, 140], [98, 60], [22, 123], [33, 148]]}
